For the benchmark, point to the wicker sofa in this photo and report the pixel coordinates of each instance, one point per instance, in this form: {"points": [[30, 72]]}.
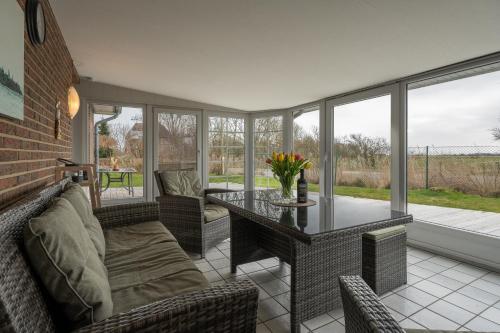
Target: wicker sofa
{"points": [[365, 313], [25, 304]]}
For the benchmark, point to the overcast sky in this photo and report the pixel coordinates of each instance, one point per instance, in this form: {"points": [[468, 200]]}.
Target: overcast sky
{"points": [[454, 113]]}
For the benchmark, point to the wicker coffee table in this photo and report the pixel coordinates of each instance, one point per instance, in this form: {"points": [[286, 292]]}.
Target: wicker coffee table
{"points": [[320, 242]]}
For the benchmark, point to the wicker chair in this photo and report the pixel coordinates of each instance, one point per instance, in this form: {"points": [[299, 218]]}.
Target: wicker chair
{"points": [[363, 311], [26, 307], [184, 212]]}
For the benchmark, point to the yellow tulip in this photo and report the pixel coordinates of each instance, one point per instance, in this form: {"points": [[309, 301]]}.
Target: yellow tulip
{"points": [[291, 157], [308, 165], [281, 157]]}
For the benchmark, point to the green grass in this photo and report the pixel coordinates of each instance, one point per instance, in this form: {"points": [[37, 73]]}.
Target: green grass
{"points": [[442, 198], [137, 180]]}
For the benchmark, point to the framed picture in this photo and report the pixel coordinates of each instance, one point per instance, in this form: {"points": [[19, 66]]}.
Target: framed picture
{"points": [[11, 59]]}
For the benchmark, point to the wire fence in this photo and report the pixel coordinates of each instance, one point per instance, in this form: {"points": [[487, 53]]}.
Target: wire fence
{"points": [[468, 169]]}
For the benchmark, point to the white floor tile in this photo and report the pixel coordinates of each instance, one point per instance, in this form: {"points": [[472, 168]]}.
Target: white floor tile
{"points": [[333, 327], [458, 275], [433, 288], [492, 314], [452, 312], [269, 309], [318, 321], [401, 305], [482, 325], [417, 296], [466, 303], [432, 320], [446, 281], [479, 295]]}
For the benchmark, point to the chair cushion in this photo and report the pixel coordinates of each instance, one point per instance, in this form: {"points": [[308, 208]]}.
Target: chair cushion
{"points": [[133, 236], [64, 257], [76, 196], [214, 212], [150, 272], [182, 182], [384, 233]]}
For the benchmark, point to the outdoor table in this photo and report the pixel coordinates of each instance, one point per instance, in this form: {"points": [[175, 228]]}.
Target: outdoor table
{"points": [[319, 242], [125, 173]]}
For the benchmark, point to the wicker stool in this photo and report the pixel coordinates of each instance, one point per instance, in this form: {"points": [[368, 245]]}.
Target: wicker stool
{"points": [[384, 258]]}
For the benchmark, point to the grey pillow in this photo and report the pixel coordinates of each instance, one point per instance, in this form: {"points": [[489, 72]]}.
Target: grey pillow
{"points": [[182, 182], [76, 196], [64, 257]]}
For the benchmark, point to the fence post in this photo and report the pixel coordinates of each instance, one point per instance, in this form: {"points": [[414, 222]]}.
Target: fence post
{"points": [[426, 167]]}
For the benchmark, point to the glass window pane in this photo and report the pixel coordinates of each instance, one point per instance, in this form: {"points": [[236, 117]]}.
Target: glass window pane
{"points": [[362, 160], [306, 143], [120, 153], [177, 141], [268, 137], [226, 148]]}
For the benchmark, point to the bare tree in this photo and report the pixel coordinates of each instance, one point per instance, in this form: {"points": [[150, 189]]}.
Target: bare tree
{"points": [[119, 132]]}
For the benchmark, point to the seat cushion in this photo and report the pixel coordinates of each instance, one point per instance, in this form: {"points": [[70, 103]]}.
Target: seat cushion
{"points": [[136, 236], [150, 273], [384, 233], [76, 196], [214, 212], [182, 182], [64, 257]]}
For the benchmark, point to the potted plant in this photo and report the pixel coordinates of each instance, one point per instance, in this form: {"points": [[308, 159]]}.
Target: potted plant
{"points": [[285, 168]]}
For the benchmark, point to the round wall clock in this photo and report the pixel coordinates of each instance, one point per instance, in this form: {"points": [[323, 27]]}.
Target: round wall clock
{"points": [[35, 21]]}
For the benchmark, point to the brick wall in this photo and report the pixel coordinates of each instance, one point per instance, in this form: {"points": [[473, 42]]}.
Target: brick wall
{"points": [[28, 149]]}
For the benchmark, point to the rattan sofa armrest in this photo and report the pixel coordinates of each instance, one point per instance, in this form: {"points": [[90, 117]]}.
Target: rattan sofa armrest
{"points": [[226, 308], [120, 215], [216, 190], [363, 310], [184, 203]]}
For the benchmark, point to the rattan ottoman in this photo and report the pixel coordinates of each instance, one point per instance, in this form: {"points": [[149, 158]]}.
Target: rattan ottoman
{"points": [[384, 258]]}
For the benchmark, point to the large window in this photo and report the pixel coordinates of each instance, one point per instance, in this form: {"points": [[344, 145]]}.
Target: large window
{"points": [[454, 151], [306, 143], [226, 152], [268, 137], [177, 138], [120, 150], [362, 149]]}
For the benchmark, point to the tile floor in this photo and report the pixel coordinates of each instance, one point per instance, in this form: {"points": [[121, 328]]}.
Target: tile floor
{"points": [[441, 294]]}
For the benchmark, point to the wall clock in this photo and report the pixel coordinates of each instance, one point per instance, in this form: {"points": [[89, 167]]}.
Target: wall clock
{"points": [[35, 21]]}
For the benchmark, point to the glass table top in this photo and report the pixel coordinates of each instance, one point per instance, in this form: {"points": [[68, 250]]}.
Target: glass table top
{"points": [[329, 214]]}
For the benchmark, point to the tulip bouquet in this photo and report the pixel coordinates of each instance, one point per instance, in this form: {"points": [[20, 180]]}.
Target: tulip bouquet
{"points": [[285, 168]]}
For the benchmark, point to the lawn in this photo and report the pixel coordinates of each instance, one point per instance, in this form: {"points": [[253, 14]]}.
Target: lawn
{"points": [[137, 180], [443, 198]]}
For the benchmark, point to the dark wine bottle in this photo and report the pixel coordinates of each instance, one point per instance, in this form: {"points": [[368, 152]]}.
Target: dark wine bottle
{"points": [[302, 188]]}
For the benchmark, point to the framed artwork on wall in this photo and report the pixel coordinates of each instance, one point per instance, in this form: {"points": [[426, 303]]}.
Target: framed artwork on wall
{"points": [[11, 59]]}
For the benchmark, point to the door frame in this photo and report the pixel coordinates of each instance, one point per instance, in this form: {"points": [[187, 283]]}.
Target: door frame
{"points": [[398, 139]]}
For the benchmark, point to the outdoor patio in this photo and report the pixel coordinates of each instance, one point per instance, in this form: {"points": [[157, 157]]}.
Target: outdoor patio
{"points": [[441, 293]]}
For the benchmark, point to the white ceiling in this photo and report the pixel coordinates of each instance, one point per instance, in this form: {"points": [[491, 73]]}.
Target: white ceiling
{"points": [[267, 54]]}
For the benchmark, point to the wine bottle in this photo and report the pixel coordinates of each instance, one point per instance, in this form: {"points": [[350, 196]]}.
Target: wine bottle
{"points": [[302, 188]]}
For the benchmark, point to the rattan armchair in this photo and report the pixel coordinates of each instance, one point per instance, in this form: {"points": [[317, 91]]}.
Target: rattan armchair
{"points": [[365, 313], [184, 216]]}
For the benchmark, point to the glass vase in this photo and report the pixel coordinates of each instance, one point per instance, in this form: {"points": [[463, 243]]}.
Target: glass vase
{"points": [[286, 190]]}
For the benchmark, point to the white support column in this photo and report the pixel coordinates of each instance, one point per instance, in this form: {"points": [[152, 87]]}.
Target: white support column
{"points": [[249, 152], [204, 149], [398, 147], [325, 145], [149, 165], [287, 131]]}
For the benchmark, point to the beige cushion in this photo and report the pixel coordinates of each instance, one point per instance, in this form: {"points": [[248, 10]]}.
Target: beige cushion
{"points": [[75, 195], [148, 273], [133, 236], [214, 212], [384, 233], [182, 182], [63, 255]]}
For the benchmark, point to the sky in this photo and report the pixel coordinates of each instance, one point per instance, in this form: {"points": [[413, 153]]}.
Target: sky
{"points": [[455, 113]]}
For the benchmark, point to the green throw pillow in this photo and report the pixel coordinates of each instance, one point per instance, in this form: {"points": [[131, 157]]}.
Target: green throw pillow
{"points": [[182, 182], [64, 257], [76, 196]]}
